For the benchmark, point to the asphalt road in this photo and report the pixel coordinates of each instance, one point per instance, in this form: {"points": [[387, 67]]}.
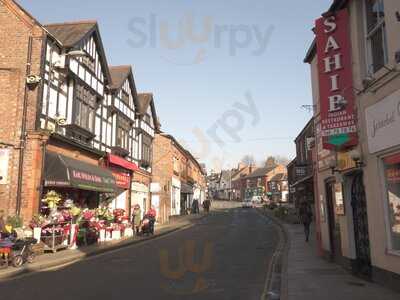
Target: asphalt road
{"points": [[224, 256]]}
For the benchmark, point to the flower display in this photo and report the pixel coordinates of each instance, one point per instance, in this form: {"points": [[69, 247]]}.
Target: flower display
{"points": [[38, 221], [52, 199], [88, 215]]}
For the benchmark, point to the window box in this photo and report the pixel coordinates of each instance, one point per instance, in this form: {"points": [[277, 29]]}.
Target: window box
{"points": [[119, 151], [79, 133]]}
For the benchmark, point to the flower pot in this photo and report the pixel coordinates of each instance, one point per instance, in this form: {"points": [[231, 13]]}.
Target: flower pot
{"points": [[102, 235], [116, 235], [37, 234]]}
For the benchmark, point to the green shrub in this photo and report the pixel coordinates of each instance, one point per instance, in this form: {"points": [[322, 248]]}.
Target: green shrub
{"points": [[15, 221]]}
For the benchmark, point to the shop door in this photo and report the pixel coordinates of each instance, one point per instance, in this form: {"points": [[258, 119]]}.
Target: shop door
{"points": [[361, 235], [334, 225]]}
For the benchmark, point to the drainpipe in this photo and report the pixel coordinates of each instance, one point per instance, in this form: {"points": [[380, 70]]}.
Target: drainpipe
{"points": [[22, 143]]}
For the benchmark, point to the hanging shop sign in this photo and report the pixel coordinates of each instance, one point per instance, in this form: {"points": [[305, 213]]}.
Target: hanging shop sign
{"points": [[4, 158], [337, 100]]}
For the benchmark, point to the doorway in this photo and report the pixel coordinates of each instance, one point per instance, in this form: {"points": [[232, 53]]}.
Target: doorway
{"points": [[362, 265], [334, 224]]}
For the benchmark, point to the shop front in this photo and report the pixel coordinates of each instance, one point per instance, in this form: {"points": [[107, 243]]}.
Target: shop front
{"points": [[123, 171], [381, 163], [186, 198], [175, 197], [140, 194], [75, 207]]}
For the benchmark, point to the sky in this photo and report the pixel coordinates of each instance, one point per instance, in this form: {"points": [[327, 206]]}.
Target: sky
{"points": [[228, 77]]}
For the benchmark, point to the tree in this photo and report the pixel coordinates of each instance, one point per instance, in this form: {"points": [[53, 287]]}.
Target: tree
{"points": [[276, 160], [248, 160], [270, 162]]}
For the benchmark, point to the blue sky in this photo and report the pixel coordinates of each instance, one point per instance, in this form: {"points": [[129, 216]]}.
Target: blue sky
{"points": [[197, 82]]}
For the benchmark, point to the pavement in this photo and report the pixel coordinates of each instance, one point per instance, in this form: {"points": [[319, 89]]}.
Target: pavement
{"points": [[51, 260], [307, 276], [225, 255]]}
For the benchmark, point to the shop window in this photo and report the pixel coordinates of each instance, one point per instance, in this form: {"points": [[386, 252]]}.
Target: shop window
{"points": [[392, 177], [377, 52]]}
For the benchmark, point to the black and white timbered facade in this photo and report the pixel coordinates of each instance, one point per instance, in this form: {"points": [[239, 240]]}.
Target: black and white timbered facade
{"points": [[90, 103], [147, 124], [75, 78], [120, 103]]}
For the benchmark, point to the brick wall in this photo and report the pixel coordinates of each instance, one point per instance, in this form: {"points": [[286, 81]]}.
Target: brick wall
{"points": [[163, 153], [16, 28]]}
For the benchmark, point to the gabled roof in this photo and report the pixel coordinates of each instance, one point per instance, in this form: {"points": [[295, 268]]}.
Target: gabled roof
{"points": [[279, 177], [70, 34], [260, 172], [119, 75], [144, 101]]}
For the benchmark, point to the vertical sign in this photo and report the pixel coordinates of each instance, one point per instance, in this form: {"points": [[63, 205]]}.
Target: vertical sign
{"points": [[4, 157], [338, 113]]}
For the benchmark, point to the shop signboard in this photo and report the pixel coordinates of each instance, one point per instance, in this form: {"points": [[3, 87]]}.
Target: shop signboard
{"points": [[122, 179], [4, 158], [324, 155], [337, 99], [155, 187], [383, 123], [345, 162]]}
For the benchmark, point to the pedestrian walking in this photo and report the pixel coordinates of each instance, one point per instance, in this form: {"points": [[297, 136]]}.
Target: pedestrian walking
{"points": [[195, 206], [207, 205], [306, 217], [136, 218]]}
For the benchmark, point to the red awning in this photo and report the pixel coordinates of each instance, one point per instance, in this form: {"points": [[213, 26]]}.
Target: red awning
{"points": [[119, 161]]}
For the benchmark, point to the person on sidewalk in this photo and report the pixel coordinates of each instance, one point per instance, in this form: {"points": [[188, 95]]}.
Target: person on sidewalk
{"points": [[305, 214], [195, 206], [137, 217], [206, 205]]}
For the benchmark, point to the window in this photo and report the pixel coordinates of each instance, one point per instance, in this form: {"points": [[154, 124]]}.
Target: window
{"points": [[146, 149], [392, 177], [123, 129], [377, 53], [85, 102], [259, 182], [125, 97]]}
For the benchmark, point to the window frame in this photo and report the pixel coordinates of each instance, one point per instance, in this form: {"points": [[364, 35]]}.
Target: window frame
{"points": [[385, 197], [80, 101], [368, 36]]}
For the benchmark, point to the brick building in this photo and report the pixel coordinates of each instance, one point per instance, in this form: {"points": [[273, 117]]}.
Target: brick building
{"points": [[256, 183], [179, 176]]}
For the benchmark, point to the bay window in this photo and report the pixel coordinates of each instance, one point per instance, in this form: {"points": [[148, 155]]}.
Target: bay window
{"points": [[377, 52], [392, 178], [146, 150], [85, 105], [123, 129]]}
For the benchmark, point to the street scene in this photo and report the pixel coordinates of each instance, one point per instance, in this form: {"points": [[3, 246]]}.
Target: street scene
{"points": [[200, 150]]}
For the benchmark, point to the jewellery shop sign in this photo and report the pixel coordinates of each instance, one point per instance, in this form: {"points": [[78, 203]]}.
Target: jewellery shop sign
{"points": [[383, 123]]}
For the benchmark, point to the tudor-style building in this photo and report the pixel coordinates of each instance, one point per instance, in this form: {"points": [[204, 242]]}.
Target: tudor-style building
{"points": [[72, 123]]}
